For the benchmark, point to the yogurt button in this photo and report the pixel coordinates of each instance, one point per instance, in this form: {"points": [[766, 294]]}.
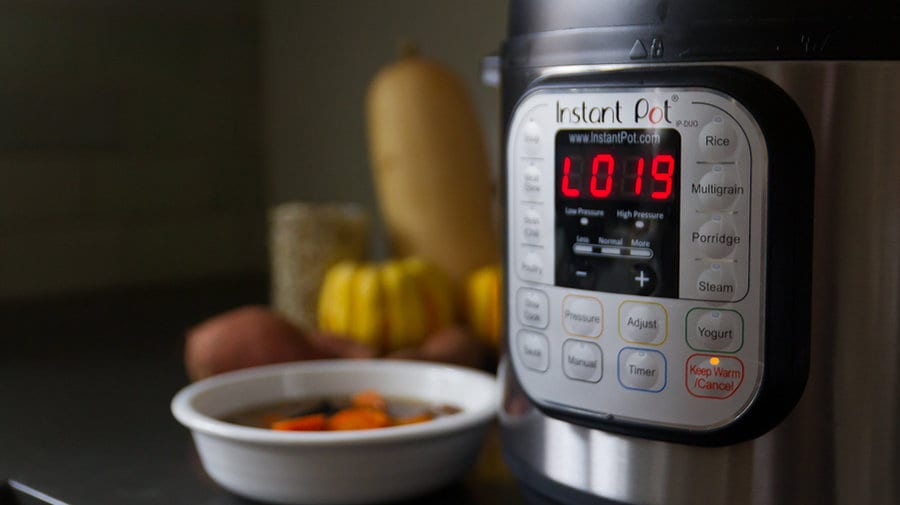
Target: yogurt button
{"points": [[715, 330]]}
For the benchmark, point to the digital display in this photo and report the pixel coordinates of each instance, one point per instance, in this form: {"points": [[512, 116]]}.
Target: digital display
{"points": [[617, 210], [618, 164]]}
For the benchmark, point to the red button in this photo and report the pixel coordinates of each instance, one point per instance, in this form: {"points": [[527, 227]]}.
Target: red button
{"points": [[713, 376]]}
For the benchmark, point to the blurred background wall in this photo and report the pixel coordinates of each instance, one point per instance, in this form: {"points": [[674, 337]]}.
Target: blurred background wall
{"points": [[142, 142]]}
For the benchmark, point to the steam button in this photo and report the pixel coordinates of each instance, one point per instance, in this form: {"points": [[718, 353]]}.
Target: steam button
{"points": [[718, 139], [717, 283]]}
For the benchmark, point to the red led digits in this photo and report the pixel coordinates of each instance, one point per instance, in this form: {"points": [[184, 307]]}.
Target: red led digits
{"points": [[567, 190], [628, 182], [606, 175], [665, 177]]}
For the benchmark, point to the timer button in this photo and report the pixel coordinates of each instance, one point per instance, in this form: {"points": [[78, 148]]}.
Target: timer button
{"points": [[719, 188], [643, 323], [533, 307], [531, 138], [531, 182], [718, 139], [715, 330], [716, 238], [534, 350], [716, 283], [582, 360], [531, 226], [642, 369]]}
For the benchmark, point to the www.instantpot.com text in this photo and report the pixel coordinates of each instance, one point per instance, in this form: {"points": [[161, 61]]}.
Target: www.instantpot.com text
{"points": [[613, 137]]}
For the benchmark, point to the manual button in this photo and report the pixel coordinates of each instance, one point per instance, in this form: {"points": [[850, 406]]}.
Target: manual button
{"points": [[582, 360]]}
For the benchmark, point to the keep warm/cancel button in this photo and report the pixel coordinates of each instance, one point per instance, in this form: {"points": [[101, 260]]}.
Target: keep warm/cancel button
{"points": [[712, 376]]}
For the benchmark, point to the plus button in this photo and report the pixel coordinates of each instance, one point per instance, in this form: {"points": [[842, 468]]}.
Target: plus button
{"points": [[642, 279]]}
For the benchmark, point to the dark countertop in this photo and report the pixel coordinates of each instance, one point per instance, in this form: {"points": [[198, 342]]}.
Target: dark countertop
{"points": [[85, 385]]}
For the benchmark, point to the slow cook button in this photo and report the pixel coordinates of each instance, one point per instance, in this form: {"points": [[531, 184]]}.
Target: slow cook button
{"points": [[642, 369], [534, 350], [643, 323], [718, 139], [582, 360], [711, 376], [532, 307], [582, 316]]}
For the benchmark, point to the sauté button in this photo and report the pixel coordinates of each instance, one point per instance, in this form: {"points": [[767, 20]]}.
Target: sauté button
{"points": [[643, 322], [642, 369], [582, 360], [715, 330], [712, 376], [718, 139], [582, 316], [716, 238], [532, 307], [534, 350]]}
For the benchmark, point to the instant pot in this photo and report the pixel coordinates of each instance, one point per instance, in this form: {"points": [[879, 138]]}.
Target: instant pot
{"points": [[702, 262]]}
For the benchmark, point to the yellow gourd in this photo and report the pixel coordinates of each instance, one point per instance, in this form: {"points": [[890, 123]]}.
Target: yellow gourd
{"points": [[484, 304], [389, 306], [430, 166]]}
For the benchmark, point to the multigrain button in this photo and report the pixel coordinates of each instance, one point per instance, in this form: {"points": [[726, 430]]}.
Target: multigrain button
{"points": [[642, 369], [534, 350], [714, 330], [719, 188], [582, 316], [532, 307], [716, 238], [582, 360], [711, 376], [643, 323], [718, 139]]}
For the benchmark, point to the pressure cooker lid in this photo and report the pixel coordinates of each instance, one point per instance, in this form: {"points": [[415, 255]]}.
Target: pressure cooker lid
{"points": [[613, 31]]}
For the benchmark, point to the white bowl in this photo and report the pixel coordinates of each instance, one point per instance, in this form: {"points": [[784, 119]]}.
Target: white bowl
{"points": [[364, 466]]}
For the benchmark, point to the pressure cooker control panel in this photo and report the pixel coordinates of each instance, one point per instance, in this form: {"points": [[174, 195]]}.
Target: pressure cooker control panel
{"points": [[636, 254]]}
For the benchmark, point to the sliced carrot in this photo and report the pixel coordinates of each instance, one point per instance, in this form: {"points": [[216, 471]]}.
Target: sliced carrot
{"points": [[312, 422], [358, 418], [417, 418], [369, 398]]}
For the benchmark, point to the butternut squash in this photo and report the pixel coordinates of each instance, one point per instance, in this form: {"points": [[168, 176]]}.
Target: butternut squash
{"points": [[430, 166]]}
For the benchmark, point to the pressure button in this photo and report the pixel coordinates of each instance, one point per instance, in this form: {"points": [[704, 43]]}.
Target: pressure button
{"points": [[582, 316]]}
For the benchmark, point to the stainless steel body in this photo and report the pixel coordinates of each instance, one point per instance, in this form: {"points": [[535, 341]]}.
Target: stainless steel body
{"points": [[841, 444]]}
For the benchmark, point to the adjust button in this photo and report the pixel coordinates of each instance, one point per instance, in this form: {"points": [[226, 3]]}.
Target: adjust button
{"points": [[582, 360], [643, 323], [642, 369]]}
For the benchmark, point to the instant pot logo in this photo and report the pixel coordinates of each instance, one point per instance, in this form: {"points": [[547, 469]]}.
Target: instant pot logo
{"points": [[644, 111]]}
